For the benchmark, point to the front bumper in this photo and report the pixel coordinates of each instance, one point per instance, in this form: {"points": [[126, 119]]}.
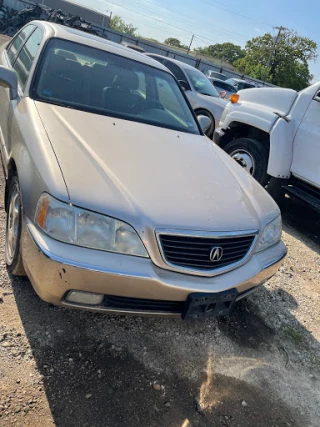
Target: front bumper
{"points": [[217, 135], [55, 268]]}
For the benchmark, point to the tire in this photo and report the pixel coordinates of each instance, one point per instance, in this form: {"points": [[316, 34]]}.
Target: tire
{"points": [[13, 254], [252, 155], [209, 132]]}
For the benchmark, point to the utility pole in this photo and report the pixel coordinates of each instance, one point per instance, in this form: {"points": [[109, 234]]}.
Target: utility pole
{"points": [[273, 49], [109, 19], [190, 44]]}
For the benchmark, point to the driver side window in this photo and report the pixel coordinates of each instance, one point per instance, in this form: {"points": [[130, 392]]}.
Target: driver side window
{"points": [[26, 56], [18, 41]]}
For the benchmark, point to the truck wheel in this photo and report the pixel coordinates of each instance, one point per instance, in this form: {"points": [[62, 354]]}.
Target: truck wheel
{"points": [[209, 132], [13, 255], [252, 155]]}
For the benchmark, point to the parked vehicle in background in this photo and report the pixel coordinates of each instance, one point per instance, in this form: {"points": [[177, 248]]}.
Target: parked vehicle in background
{"points": [[240, 84], [115, 199], [133, 47], [216, 75], [222, 86], [203, 97], [274, 134]]}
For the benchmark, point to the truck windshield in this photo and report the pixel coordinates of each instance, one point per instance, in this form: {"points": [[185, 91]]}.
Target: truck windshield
{"points": [[89, 79], [201, 83]]}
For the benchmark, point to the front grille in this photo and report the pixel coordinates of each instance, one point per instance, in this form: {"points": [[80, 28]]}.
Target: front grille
{"points": [[145, 305], [193, 253]]}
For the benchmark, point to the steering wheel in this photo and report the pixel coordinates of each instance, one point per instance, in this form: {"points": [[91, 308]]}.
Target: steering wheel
{"points": [[143, 105]]}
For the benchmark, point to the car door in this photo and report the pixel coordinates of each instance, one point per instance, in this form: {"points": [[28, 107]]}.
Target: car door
{"points": [[306, 146], [21, 60], [8, 58]]}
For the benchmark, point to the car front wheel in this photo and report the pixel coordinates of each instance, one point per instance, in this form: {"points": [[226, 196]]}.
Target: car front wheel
{"points": [[13, 255], [252, 155]]}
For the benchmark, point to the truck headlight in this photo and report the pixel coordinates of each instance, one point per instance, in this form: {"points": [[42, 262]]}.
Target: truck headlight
{"points": [[270, 235], [80, 227]]}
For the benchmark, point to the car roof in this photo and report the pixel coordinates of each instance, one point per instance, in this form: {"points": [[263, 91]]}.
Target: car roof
{"points": [[216, 72], [180, 63], [241, 81], [71, 34], [218, 80]]}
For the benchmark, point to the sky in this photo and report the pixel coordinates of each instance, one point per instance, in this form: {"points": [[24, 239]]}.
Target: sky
{"points": [[214, 21]]}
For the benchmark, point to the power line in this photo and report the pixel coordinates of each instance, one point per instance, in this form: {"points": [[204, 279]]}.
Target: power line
{"points": [[202, 23], [169, 32], [193, 20], [236, 11], [162, 22], [148, 16]]}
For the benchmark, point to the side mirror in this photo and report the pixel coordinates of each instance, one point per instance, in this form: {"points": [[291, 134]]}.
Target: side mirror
{"points": [[223, 94], [184, 84], [9, 79], [204, 123]]}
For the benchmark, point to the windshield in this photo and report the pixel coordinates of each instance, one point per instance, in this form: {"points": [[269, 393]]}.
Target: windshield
{"points": [[247, 85], [201, 83], [88, 79]]}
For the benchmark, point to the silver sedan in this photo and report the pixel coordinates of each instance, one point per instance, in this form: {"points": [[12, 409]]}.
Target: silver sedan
{"points": [[115, 199], [202, 95]]}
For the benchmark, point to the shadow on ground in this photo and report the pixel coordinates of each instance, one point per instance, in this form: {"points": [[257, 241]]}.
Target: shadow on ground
{"points": [[90, 382], [302, 222]]}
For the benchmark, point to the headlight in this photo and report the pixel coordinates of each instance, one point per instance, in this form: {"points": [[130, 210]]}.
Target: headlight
{"points": [[79, 227], [270, 235]]}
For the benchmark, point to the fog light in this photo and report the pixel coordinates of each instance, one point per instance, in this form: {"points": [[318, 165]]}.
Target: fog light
{"points": [[87, 298]]}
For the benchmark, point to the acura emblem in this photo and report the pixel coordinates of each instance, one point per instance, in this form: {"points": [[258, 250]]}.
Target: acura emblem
{"points": [[216, 254]]}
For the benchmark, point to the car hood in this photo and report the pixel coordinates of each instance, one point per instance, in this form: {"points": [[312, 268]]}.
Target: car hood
{"points": [[276, 99], [213, 99], [150, 176]]}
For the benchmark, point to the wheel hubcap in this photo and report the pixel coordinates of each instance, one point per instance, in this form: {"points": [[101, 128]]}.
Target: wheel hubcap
{"points": [[245, 160], [13, 224]]}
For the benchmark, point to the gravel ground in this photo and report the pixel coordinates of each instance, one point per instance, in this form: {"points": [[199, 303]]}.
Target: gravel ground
{"points": [[260, 367]]}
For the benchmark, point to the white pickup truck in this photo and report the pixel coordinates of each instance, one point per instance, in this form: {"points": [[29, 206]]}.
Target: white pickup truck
{"points": [[274, 134]]}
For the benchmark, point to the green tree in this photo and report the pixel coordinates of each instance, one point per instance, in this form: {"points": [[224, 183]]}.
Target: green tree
{"points": [[171, 41], [289, 62], [117, 23], [227, 51]]}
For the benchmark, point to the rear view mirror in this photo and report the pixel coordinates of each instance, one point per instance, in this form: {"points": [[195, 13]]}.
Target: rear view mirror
{"points": [[204, 123], [184, 85], [9, 79]]}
